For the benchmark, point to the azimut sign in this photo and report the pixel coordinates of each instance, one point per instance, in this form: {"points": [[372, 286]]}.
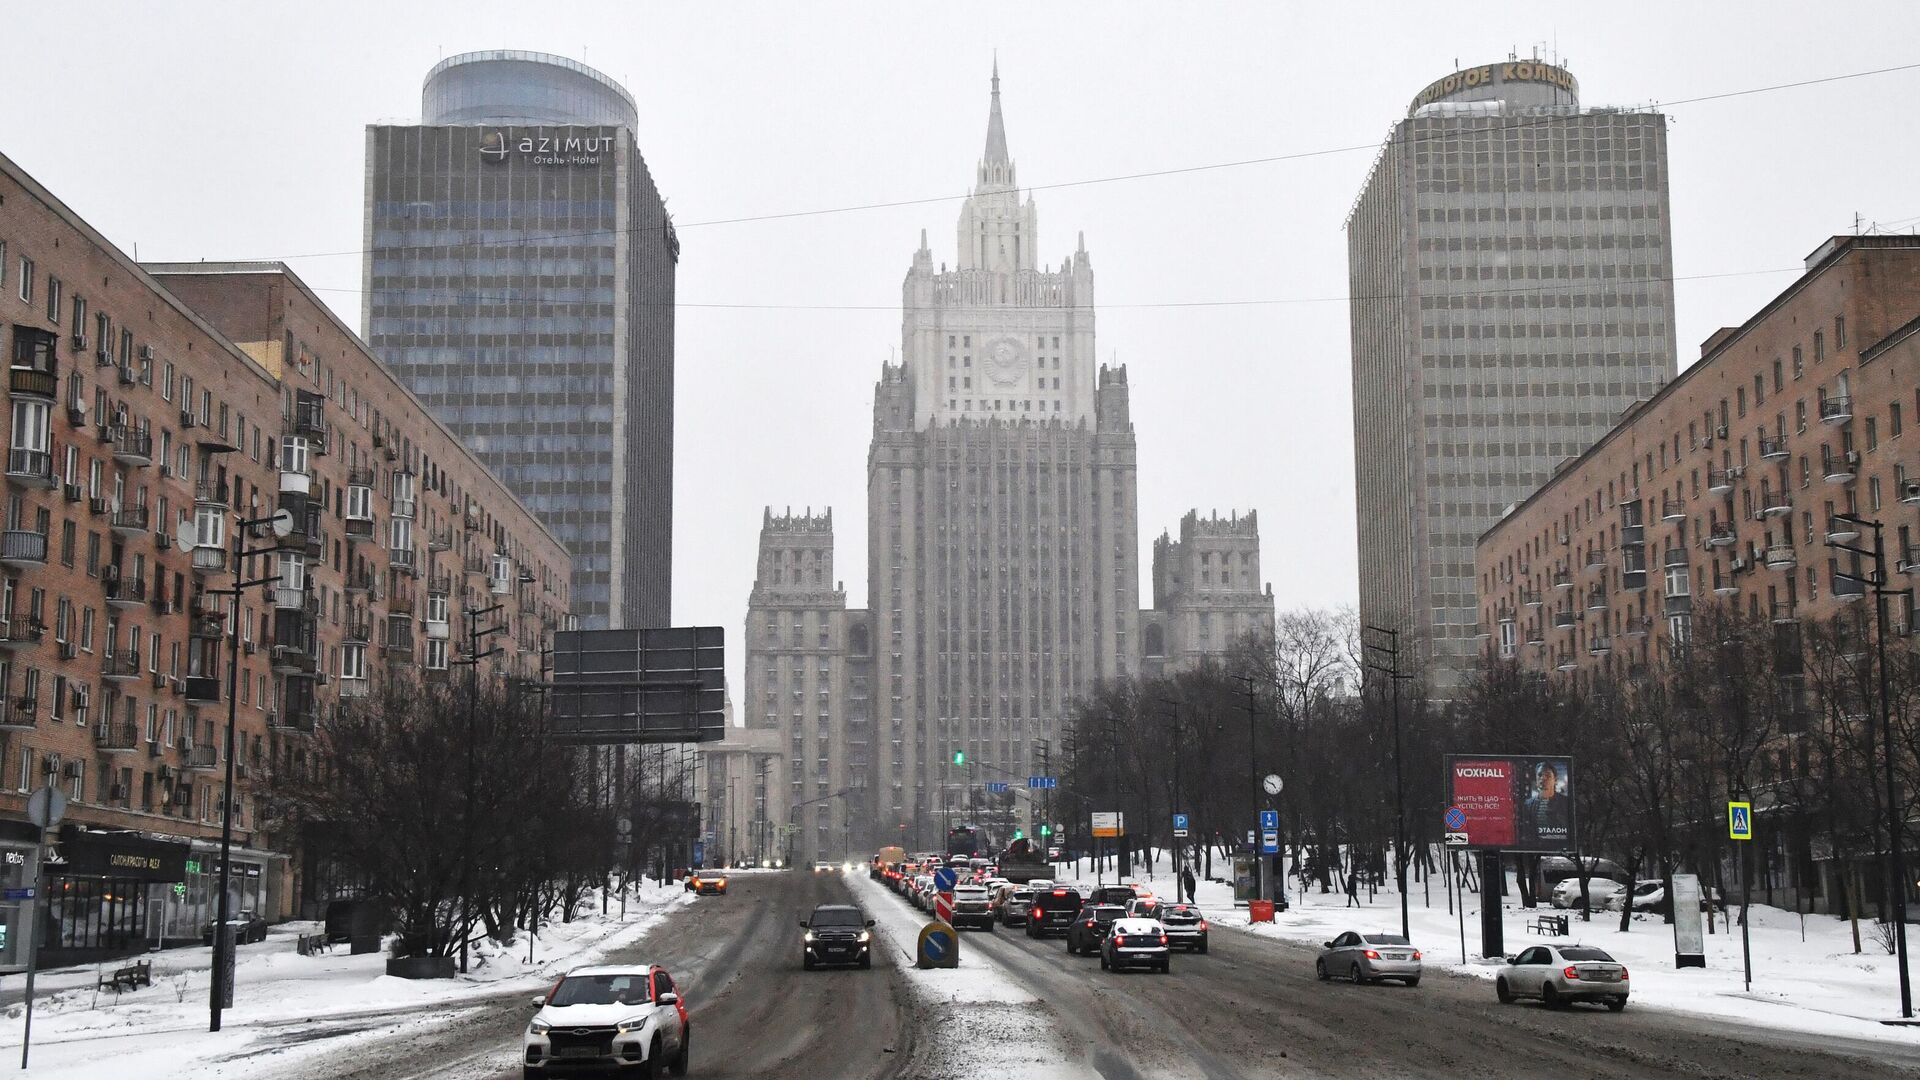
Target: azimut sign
{"points": [[556, 150]]}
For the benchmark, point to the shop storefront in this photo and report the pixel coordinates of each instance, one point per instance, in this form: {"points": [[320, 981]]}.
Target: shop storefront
{"points": [[19, 868], [183, 910], [96, 904]]}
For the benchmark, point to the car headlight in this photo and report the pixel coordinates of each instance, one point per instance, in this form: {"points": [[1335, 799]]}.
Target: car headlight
{"points": [[539, 1027], [630, 1025], [866, 936], [809, 937]]}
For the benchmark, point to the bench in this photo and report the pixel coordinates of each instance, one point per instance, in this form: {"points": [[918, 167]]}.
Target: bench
{"points": [[131, 977], [1549, 925], [311, 944]]}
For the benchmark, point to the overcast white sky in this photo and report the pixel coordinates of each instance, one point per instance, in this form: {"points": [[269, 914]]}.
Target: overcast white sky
{"points": [[235, 130]]}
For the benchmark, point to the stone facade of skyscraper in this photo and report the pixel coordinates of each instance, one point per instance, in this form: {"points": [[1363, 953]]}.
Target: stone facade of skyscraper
{"points": [[1207, 592], [1510, 267], [519, 278], [1003, 567]]}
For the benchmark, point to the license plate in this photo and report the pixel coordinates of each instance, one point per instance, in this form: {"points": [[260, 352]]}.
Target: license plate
{"points": [[1394, 956], [579, 1051]]}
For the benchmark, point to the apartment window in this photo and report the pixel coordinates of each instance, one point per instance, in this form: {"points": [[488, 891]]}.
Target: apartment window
{"points": [[1893, 421], [1800, 417], [26, 279], [53, 300], [1799, 363], [1873, 493], [353, 661], [1873, 433], [1819, 346], [1777, 374], [1839, 332]]}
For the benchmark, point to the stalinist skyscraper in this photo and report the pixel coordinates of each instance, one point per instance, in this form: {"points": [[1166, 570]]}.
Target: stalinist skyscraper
{"points": [[1003, 578], [1002, 538]]}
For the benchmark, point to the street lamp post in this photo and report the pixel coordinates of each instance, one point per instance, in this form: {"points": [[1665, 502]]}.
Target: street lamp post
{"points": [[1896, 861], [281, 524], [1391, 669]]}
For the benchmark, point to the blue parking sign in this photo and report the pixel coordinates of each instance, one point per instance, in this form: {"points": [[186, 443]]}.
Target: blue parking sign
{"points": [[1179, 821], [1269, 820]]}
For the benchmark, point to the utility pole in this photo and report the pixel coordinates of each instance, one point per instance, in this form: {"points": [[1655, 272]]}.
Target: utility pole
{"points": [[1391, 669], [472, 660], [1253, 784], [1896, 861], [1174, 841]]}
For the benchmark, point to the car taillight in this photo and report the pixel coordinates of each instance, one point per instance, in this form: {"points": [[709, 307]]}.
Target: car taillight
{"points": [[1059, 892], [1373, 954], [1571, 972], [1089, 922], [1416, 954], [1203, 924], [1036, 913], [1163, 939], [1120, 942], [1623, 974]]}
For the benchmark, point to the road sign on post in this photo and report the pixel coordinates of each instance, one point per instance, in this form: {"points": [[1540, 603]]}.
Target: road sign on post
{"points": [[996, 787], [939, 946], [944, 879], [1269, 832], [1043, 782], [1108, 824], [1740, 820], [1179, 826]]}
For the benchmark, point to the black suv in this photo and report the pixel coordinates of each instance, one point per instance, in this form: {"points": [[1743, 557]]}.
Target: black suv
{"points": [[1086, 932], [1053, 911], [837, 934]]}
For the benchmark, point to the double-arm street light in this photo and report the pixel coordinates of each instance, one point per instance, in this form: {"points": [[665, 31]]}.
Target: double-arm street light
{"points": [[279, 524], [1896, 861]]}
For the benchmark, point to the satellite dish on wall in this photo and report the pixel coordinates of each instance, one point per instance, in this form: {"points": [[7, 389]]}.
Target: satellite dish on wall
{"points": [[185, 536], [282, 523]]}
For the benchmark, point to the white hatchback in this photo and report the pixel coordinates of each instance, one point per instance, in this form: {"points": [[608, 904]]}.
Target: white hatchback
{"points": [[597, 1018]]}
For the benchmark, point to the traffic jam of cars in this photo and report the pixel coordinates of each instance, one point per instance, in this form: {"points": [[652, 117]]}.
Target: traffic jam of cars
{"points": [[1127, 926]]}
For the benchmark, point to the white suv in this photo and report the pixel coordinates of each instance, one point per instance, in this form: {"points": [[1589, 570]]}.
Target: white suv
{"points": [[600, 1017]]}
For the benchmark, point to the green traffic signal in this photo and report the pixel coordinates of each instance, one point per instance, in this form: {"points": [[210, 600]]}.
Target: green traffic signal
{"points": [[959, 757], [1018, 834], [1045, 831]]}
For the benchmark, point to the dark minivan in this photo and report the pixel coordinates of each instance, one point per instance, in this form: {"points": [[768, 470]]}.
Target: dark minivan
{"points": [[1053, 911]]}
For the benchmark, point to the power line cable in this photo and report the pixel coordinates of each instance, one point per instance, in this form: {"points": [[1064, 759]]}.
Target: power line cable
{"points": [[1117, 178], [461, 296]]}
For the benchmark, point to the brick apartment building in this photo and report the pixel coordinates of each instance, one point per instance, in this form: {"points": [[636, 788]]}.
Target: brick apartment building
{"points": [[1725, 483], [143, 400]]}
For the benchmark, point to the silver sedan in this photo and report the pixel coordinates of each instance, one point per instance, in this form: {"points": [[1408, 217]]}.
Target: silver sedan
{"points": [[1562, 974], [1369, 958]]}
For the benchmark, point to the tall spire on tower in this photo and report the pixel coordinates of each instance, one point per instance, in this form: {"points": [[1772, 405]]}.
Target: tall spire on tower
{"points": [[996, 127]]}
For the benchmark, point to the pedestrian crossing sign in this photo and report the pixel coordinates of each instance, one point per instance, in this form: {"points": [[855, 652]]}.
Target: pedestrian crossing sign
{"points": [[1740, 820]]}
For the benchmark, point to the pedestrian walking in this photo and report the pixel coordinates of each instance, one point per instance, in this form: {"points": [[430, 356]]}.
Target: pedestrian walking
{"points": [[1353, 887], [1187, 883]]}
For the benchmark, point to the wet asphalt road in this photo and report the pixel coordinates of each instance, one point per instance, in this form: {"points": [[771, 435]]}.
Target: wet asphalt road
{"points": [[1251, 1008]]}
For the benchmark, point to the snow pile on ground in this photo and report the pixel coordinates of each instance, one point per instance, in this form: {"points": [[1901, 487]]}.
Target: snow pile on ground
{"points": [[281, 997], [989, 1025], [1806, 976]]}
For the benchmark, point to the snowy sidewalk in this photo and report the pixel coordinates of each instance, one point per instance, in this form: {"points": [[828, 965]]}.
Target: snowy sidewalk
{"points": [[78, 1029]]}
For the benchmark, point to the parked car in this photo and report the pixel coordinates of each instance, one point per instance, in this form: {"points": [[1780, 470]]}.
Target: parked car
{"points": [[836, 934], [1562, 974], [1135, 943], [1089, 929], [1652, 896], [1566, 894], [1368, 958], [247, 926], [627, 1017]]}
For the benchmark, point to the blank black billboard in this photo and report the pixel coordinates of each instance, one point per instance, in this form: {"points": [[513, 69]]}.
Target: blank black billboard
{"points": [[639, 686]]}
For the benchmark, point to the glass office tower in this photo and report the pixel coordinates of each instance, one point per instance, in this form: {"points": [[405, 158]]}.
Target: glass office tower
{"points": [[519, 278]]}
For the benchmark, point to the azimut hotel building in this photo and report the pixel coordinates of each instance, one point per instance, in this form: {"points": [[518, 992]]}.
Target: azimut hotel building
{"points": [[1510, 265], [519, 279]]}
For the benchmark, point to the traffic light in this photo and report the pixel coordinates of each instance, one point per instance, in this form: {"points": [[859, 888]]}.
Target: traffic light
{"points": [[1045, 831], [1019, 835], [959, 757]]}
